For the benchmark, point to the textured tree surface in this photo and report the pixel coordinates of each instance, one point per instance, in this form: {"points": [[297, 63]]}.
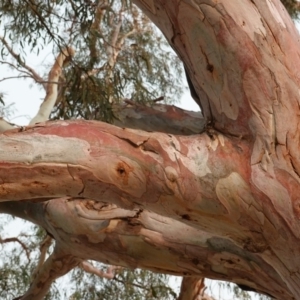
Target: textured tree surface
{"points": [[221, 203]]}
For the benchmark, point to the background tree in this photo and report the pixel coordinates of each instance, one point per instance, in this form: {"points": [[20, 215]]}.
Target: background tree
{"points": [[115, 58], [88, 77]]}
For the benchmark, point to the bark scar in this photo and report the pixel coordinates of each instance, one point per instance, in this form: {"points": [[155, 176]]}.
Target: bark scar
{"points": [[123, 170]]}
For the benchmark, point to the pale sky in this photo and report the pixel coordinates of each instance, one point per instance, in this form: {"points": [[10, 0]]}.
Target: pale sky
{"points": [[27, 96]]}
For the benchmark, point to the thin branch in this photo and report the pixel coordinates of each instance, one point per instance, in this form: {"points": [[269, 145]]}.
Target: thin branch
{"points": [[92, 72], [15, 77], [4, 125], [123, 37], [15, 67], [35, 75], [16, 240], [95, 27], [193, 288], [131, 102], [158, 99], [45, 245], [29, 76], [41, 18], [51, 95], [89, 268], [111, 49], [133, 284]]}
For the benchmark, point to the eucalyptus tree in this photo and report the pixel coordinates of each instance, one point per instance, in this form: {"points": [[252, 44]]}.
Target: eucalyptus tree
{"points": [[212, 194]]}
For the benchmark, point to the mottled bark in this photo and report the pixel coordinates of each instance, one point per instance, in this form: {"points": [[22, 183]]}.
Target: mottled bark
{"points": [[223, 203], [56, 265], [158, 117]]}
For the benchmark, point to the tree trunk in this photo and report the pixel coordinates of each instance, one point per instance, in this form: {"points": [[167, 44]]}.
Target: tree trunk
{"points": [[223, 203]]}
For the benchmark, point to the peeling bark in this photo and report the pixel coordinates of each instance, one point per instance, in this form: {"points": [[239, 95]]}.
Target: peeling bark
{"points": [[122, 196], [158, 117]]}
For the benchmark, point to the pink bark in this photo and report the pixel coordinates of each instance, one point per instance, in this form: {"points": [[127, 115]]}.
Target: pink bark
{"points": [[223, 203]]}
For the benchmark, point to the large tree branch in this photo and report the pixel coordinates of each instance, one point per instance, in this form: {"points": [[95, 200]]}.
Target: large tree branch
{"points": [[158, 117], [204, 181], [142, 239]]}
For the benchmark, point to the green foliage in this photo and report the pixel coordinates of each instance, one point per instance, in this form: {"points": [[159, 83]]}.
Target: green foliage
{"points": [[119, 52]]}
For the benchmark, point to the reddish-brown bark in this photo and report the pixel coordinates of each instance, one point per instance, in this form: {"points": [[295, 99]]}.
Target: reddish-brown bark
{"points": [[122, 196]]}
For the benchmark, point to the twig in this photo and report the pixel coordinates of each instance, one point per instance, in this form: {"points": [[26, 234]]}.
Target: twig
{"points": [[193, 288], [158, 99], [128, 101], [29, 76], [131, 102], [14, 77], [16, 240]]}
